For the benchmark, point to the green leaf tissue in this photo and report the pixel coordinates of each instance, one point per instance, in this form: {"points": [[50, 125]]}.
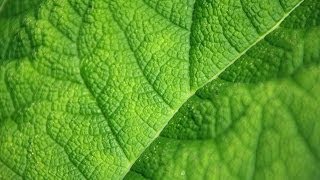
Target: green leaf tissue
{"points": [[160, 89]]}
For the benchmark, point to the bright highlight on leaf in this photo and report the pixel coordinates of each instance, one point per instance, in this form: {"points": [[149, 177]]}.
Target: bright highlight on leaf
{"points": [[145, 89]]}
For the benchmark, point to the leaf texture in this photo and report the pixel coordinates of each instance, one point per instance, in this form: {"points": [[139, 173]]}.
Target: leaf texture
{"points": [[258, 120], [87, 85]]}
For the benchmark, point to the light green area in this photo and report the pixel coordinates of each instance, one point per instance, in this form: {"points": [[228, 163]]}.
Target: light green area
{"points": [[259, 120], [87, 85]]}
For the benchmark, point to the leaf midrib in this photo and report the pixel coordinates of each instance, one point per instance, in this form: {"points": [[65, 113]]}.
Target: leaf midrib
{"points": [[192, 92], [2, 5]]}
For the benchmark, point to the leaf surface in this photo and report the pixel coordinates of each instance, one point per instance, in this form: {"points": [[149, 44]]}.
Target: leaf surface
{"points": [[87, 85], [258, 120]]}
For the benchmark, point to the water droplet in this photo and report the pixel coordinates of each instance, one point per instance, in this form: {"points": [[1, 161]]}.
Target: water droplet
{"points": [[183, 173]]}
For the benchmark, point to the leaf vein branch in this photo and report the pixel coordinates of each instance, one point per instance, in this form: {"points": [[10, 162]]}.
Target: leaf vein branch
{"points": [[164, 17], [137, 61]]}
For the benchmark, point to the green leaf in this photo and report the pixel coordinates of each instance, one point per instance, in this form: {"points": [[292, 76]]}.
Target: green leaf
{"points": [[258, 120], [87, 85]]}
